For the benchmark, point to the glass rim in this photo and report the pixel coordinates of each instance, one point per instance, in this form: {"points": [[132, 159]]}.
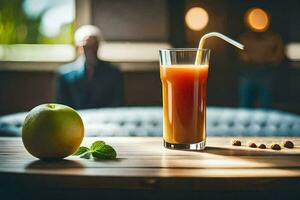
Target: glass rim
{"points": [[185, 49]]}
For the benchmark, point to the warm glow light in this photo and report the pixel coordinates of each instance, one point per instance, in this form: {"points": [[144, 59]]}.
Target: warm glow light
{"points": [[257, 19], [292, 51], [196, 18]]}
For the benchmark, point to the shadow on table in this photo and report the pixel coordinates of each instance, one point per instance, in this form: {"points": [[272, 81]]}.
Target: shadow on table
{"points": [[63, 164], [54, 164], [246, 151]]}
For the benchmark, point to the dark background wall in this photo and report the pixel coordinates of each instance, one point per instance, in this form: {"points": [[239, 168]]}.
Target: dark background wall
{"points": [[163, 21], [132, 20], [22, 90]]}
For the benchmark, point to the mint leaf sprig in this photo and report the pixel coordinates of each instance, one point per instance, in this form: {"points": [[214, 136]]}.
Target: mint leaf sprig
{"points": [[98, 150]]}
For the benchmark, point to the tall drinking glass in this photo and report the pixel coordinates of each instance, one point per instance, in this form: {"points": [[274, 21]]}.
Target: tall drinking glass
{"points": [[184, 97]]}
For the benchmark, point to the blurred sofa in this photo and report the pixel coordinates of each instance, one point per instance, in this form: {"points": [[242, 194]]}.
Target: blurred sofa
{"points": [[147, 121]]}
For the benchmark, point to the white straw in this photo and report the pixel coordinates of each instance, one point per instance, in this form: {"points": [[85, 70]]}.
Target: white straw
{"points": [[215, 34]]}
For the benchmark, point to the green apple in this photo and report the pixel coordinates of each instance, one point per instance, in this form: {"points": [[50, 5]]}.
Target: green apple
{"points": [[52, 131]]}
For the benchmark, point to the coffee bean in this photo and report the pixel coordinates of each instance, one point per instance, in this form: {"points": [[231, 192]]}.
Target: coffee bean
{"points": [[236, 143], [252, 144], [262, 146], [275, 147], [288, 144]]}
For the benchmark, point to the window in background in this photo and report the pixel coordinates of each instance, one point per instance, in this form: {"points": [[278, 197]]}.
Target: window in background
{"points": [[34, 30]]}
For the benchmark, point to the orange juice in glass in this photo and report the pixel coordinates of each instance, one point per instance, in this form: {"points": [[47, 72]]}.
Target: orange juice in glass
{"points": [[184, 97]]}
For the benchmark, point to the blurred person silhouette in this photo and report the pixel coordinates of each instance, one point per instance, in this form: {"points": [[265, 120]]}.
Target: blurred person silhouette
{"points": [[262, 54], [89, 82]]}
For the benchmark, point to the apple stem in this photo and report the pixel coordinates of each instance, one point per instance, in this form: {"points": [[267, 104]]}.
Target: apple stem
{"points": [[51, 106]]}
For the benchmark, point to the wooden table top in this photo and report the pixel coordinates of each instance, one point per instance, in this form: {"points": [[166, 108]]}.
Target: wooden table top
{"points": [[145, 163]]}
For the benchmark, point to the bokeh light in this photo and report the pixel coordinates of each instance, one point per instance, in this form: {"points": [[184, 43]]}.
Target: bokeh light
{"points": [[196, 18], [257, 19]]}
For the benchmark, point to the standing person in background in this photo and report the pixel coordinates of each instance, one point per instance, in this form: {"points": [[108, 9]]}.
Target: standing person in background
{"points": [[89, 82], [263, 53]]}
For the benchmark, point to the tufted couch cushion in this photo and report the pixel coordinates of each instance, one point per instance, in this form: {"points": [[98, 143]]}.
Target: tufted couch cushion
{"points": [[147, 121]]}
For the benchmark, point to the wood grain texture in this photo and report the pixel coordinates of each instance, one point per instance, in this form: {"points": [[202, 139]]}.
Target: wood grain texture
{"points": [[145, 163]]}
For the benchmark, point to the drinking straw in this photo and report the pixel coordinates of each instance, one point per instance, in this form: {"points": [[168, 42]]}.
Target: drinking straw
{"points": [[214, 34]]}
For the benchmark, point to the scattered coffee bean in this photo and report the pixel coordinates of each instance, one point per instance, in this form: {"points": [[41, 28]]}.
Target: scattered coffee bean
{"points": [[275, 147], [252, 145], [262, 146], [236, 143], [288, 144]]}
